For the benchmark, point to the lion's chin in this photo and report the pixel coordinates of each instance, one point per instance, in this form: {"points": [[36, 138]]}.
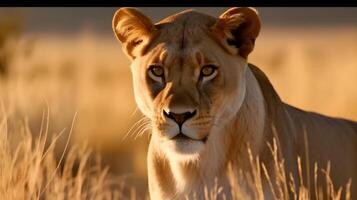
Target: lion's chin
{"points": [[184, 149]]}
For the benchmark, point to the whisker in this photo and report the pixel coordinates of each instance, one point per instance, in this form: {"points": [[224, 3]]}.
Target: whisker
{"points": [[134, 127], [142, 131], [134, 112], [139, 128]]}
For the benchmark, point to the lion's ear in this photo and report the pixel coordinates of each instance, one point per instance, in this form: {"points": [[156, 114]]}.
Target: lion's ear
{"points": [[240, 27], [133, 29]]}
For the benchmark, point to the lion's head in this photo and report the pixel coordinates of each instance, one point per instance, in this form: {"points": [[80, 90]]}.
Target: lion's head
{"points": [[188, 72]]}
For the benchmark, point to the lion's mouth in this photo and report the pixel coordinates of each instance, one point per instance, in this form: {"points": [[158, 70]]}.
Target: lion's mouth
{"points": [[182, 136]]}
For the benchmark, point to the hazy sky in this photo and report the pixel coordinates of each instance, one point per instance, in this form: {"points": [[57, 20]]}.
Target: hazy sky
{"points": [[68, 20]]}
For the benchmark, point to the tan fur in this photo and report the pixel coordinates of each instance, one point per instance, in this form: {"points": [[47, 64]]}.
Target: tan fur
{"points": [[237, 108]]}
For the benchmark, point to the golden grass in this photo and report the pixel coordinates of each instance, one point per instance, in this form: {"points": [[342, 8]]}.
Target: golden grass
{"points": [[31, 169], [282, 186]]}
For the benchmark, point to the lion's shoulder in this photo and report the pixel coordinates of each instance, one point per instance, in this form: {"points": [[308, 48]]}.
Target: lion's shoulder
{"points": [[274, 105], [267, 88]]}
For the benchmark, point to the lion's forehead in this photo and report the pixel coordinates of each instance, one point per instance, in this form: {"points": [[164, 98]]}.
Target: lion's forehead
{"points": [[185, 29], [172, 57]]}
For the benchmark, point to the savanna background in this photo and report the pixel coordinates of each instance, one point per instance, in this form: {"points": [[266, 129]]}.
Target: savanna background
{"points": [[69, 126]]}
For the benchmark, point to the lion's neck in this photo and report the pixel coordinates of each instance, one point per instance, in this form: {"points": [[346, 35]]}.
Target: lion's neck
{"points": [[248, 126], [193, 176]]}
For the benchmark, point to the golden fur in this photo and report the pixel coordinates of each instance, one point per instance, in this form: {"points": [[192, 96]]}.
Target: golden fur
{"points": [[234, 108]]}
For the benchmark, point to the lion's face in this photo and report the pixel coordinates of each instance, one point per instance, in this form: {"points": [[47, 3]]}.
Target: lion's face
{"points": [[189, 75], [186, 92]]}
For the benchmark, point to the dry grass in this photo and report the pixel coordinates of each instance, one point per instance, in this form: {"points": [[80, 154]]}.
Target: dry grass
{"points": [[88, 74], [31, 169], [282, 186]]}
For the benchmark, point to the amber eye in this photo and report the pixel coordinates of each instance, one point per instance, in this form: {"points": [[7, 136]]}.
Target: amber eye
{"points": [[208, 70], [156, 72]]}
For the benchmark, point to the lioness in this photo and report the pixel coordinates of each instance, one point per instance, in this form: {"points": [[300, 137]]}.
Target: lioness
{"points": [[207, 104]]}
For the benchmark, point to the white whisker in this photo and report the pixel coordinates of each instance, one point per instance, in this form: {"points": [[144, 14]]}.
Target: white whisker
{"points": [[134, 127], [142, 131]]}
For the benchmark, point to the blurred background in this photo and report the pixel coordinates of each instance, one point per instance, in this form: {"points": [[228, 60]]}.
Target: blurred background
{"points": [[67, 60]]}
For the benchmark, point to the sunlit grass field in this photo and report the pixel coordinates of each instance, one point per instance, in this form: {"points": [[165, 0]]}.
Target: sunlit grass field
{"points": [[64, 96]]}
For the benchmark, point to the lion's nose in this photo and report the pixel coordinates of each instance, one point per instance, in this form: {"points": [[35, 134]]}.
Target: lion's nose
{"points": [[180, 118]]}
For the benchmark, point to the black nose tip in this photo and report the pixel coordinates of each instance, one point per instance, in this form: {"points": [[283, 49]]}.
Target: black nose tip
{"points": [[180, 118]]}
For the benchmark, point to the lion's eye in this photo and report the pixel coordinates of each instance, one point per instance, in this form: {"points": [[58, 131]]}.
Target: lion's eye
{"points": [[156, 72], [209, 71]]}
